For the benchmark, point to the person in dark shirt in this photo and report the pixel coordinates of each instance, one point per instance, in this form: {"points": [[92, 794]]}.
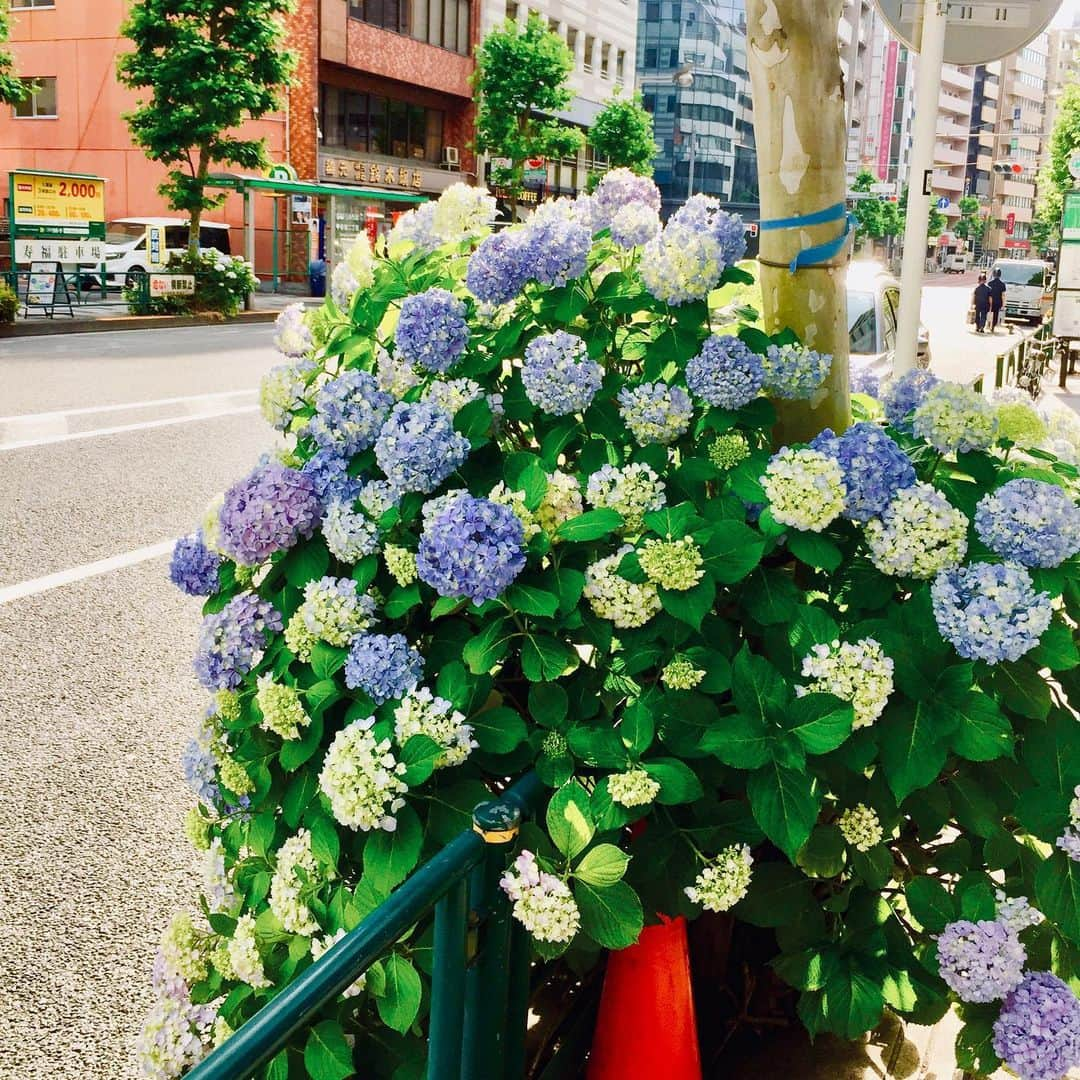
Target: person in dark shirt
{"points": [[997, 299], [982, 304]]}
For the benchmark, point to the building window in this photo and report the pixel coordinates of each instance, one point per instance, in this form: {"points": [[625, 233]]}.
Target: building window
{"points": [[372, 124], [511, 10], [605, 61], [590, 47], [651, 58], [33, 3], [443, 23], [620, 66], [553, 27], [41, 104], [571, 40]]}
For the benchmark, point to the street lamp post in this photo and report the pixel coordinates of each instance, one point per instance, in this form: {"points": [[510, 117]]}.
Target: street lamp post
{"points": [[685, 78]]}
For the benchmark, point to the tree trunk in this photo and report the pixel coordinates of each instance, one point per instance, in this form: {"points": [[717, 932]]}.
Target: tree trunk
{"points": [[196, 212], [794, 61]]}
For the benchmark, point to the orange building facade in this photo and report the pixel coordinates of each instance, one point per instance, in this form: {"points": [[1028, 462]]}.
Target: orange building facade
{"points": [[380, 103]]}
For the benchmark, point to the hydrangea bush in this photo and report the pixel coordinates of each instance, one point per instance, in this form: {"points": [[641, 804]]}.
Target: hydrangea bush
{"points": [[528, 516]]}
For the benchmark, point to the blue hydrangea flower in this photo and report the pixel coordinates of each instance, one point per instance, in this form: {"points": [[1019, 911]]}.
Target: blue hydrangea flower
{"points": [[558, 375], [990, 611], [473, 548], [267, 511], [655, 412], [726, 373], [232, 641], [384, 667], [200, 768], [349, 411], [1029, 522], [620, 188], [634, 225], [194, 567], [866, 382], [418, 448], [981, 961], [432, 330], [497, 270], [794, 372], [329, 472], [905, 395], [703, 214], [874, 468], [349, 533], [1037, 1033]]}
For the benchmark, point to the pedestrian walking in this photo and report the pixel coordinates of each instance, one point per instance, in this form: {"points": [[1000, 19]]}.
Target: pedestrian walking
{"points": [[997, 299], [981, 301]]}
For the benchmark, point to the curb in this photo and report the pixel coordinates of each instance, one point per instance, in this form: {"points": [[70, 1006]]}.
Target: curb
{"points": [[128, 322]]}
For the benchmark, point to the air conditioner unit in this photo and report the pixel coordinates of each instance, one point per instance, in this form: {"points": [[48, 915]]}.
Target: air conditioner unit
{"points": [[451, 157]]}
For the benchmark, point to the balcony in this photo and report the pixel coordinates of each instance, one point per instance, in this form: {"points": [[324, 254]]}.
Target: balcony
{"points": [[1018, 188], [943, 181], [946, 155], [953, 76], [954, 104]]}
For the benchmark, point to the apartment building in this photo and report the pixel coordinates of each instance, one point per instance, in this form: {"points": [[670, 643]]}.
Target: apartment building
{"points": [[1062, 66]]}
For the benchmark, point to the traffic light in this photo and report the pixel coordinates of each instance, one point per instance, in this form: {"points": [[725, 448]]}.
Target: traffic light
{"points": [[1008, 168]]}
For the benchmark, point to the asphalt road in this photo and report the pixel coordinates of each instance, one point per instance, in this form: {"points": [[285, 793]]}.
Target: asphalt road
{"points": [[110, 447]]}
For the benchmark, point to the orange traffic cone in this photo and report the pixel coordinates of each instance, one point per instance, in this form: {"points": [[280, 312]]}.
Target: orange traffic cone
{"points": [[646, 1029]]}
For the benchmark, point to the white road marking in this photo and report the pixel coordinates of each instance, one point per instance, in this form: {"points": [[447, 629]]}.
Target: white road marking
{"points": [[80, 573], [153, 404], [121, 429]]}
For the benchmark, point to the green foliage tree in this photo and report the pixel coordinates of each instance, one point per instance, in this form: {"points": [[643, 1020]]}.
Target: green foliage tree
{"points": [[520, 74], [623, 133], [1054, 178], [208, 65], [971, 224], [12, 88], [937, 222], [875, 219]]}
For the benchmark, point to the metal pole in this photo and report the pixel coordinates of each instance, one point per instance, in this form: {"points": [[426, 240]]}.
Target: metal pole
{"points": [[275, 254], [920, 174], [249, 242], [448, 986], [693, 152]]}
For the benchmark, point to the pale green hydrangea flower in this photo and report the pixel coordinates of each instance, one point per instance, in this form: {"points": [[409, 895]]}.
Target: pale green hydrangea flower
{"points": [[234, 776], [515, 500], [633, 491], [244, 955], [401, 564], [197, 829], [955, 419], [860, 827], [362, 779], [282, 710], [860, 673], [561, 502], [626, 603], [286, 888], [727, 450], [298, 638], [1020, 424], [184, 949], [920, 534], [680, 674], [724, 881], [421, 713], [633, 788], [805, 489], [672, 564]]}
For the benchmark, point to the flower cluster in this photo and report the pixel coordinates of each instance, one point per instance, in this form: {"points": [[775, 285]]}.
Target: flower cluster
{"points": [[282, 710], [805, 489], [292, 335], [919, 534], [724, 881], [334, 611], [543, 903], [990, 611], [267, 511], [349, 535], [217, 885], [329, 473], [795, 372], [401, 563], [655, 412], [182, 949], [474, 548], [680, 673], [200, 767], [633, 491], [558, 375], [194, 567], [353, 273], [175, 1035], [1030, 522], [625, 603], [418, 448], [620, 188], [954, 419], [672, 564], [384, 667], [516, 501], [905, 395], [362, 779], [860, 673], [349, 411], [454, 394], [232, 641], [873, 466], [726, 373], [865, 381], [422, 713], [287, 887], [281, 394], [1016, 913], [634, 224], [980, 961], [462, 210], [727, 450], [432, 330], [1037, 1033], [685, 262], [1069, 842], [561, 502], [860, 827], [244, 958], [1020, 423], [394, 374], [632, 788]]}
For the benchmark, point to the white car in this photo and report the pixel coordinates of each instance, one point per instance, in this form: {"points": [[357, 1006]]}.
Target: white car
{"points": [[1027, 288], [126, 256]]}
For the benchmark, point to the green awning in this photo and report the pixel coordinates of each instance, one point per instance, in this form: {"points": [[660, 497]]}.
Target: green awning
{"points": [[307, 187]]}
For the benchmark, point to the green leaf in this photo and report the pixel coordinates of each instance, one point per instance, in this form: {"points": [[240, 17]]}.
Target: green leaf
{"points": [[975, 1040], [732, 551], [678, 782], [983, 732], [779, 895], [1022, 690], [757, 687], [326, 1053], [770, 597], [809, 969], [499, 730], [785, 804], [603, 865], [483, 652], [852, 1002], [325, 845], [1056, 649], [389, 857], [822, 856], [592, 525], [307, 562], [327, 660], [294, 752], [821, 722], [1052, 753], [260, 834], [569, 819], [400, 1002], [548, 704], [597, 745], [611, 916], [691, 605], [911, 752], [419, 755], [739, 741], [930, 904], [278, 1069], [532, 601], [1057, 892], [402, 600], [637, 726], [545, 658], [454, 685], [814, 550]]}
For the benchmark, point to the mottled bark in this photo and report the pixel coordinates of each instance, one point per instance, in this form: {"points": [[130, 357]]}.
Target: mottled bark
{"points": [[794, 61]]}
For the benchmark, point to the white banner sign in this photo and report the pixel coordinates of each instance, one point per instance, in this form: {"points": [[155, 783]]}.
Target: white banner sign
{"points": [[172, 285], [61, 251]]}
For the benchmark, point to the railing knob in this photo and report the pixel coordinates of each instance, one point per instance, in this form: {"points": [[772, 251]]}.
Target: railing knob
{"points": [[496, 822]]}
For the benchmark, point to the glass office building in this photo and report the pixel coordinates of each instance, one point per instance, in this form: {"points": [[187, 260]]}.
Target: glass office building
{"points": [[704, 130]]}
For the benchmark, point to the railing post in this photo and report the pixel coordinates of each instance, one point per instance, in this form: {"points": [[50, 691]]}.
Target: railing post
{"points": [[517, 1002], [448, 986]]}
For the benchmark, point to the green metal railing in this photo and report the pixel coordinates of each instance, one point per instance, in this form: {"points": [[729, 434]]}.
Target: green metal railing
{"points": [[480, 978], [1028, 359]]}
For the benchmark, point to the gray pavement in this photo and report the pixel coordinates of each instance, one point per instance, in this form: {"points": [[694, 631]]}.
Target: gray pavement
{"points": [[99, 700]]}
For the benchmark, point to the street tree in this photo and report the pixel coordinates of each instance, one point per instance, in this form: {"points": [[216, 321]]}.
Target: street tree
{"points": [[875, 219], [208, 66], [520, 82], [971, 223], [1054, 177], [12, 88], [934, 226], [623, 133]]}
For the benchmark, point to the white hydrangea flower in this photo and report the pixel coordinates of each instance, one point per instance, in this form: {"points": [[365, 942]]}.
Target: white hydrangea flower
{"points": [[421, 713], [724, 881], [1074, 808], [244, 955], [626, 603], [860, 673], [184, 949], [282, 710], [805, 489], [394, 375], [320, 946], [919, 534], [362, 779], [543, 903], [561, 502], [860, 827], [400, 563], [217, 884], [1015, 912], [286, 888], [210, 524], [633, 491], [515, 500], [632, 788], [350, 535], [281, 394]]}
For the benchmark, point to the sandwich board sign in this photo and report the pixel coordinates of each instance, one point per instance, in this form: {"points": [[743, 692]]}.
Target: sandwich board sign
{"points": [[46, 289]]}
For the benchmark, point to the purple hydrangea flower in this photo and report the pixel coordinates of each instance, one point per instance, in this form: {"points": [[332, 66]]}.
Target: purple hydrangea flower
{"points": [[726, 373], [865, 382], [980, 961], [1029, 522], [432, 330], [384, 667], [905, 395], [474, 548], [619, 188], [232, 641], [702, 213], [194, 567], [329, 473], [418, 448], [874, 468], [200, 769], [267, 511], [990, 611], [1037, 1033], [349, 411], [558, 375], [795, 372]]}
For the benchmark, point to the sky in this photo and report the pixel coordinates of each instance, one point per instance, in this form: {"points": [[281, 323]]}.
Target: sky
{"points": [[1069, 10]]}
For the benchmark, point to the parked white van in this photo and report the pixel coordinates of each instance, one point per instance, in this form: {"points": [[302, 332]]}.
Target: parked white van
{"points": [[1026, 288], [125, 245]]}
